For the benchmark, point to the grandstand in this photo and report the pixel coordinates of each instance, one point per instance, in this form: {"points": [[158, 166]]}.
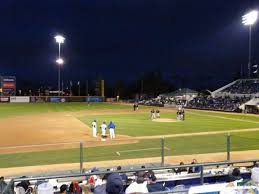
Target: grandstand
{"points": [[239, 88], [194, 178], [241, 95]]}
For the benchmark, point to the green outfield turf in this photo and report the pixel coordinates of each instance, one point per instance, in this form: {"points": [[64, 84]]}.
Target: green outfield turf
{"points": [[145, 148], [7, 110], [139, 124]]}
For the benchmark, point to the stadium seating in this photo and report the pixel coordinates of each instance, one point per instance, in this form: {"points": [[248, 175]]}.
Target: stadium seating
{"points": [[166, 179], [243, 86], [218, 103]]}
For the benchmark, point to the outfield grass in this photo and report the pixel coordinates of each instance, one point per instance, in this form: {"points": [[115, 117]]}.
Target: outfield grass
{"points": [[177, 146], [139, 124], [14, 109]]}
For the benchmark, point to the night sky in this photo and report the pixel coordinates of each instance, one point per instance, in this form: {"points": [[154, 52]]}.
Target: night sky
{"points": [[124, 38]]}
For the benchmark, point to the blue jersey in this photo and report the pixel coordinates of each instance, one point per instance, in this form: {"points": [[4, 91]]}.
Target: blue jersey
{"points": [[111, 126]]}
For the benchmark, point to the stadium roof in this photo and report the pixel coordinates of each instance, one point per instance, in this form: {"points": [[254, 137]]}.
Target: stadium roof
{"points": [[181, 92]]}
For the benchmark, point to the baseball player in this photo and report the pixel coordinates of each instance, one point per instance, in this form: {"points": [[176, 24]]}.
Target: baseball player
{"points": [[103, 129], [152, 115], [112, 126], [94, 127]]}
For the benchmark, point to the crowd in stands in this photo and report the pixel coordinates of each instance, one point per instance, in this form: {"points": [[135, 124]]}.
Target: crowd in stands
{"points": [[243, 87], [200, 102], [142, 181], [218, 103], [161, 101]]}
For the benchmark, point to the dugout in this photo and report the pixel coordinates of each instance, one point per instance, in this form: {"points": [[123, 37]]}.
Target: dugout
{"points": [[254, 109]]}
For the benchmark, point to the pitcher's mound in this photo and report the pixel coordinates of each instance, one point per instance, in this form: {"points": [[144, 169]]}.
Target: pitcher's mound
{"points": [[165, 120]]}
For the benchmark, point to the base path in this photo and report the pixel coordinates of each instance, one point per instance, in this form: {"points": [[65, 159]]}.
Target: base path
{"points": [[210, 157], [164, 120], [197, 134]]}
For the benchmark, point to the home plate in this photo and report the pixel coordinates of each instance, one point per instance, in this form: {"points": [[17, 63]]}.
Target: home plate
{"points": [[164, 120]]}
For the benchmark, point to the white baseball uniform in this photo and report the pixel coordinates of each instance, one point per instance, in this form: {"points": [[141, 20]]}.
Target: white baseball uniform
{"points": [[94, 126], [103, 128]]}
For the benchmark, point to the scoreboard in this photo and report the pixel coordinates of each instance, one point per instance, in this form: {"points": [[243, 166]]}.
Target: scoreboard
{"points": [[8, 85], [99, 88]]}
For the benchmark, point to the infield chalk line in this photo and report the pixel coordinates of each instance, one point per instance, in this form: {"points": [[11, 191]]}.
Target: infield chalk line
{"points": [[138, 150], [38, 145], [221, 117]]}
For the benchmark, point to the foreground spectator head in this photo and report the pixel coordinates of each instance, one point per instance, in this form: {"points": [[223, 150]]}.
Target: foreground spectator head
{"points": [[63, 188], [235, 175], [153, 179], [236, 172], [114, 184], [140, 180]]}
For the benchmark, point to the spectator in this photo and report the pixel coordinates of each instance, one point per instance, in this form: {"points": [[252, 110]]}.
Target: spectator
{"points": [[114, 184], [123, 176], [195, 169], [235, 175], [138, 186], [153, 186], [149, 174], [87, 189], [3, 184], [74, 188], [100, 185], [180, 169], [63, 189]]}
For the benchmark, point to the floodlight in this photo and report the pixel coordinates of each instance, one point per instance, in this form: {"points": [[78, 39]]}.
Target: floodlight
{"points": [[250, 18], [60, 61], [59, 39]]}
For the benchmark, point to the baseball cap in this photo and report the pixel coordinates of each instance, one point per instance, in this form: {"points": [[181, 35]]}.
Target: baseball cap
{"points": [[114, 184]]}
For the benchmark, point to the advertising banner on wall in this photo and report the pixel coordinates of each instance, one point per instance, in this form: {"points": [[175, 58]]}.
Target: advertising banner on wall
{"points": [[4, 99], [38, 99], [54, 99], [94, 99], [19, 99], [8, 85]]}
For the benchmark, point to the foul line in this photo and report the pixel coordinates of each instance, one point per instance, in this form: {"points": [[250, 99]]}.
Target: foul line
{"points": [[221, 117], [37, 145], [138, 150]]}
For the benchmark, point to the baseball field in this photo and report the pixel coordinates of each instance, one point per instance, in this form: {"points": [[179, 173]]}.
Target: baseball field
{"points": [[45, 134]]}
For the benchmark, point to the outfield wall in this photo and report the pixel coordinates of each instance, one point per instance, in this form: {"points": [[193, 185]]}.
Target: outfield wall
{"points": [[54, 99]]}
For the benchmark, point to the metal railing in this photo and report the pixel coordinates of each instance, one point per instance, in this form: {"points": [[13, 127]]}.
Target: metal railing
{"points": [[200, 165]]}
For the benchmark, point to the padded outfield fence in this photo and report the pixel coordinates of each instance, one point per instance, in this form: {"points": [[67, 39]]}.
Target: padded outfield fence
{"points": [[76, 156], [54, 99]]}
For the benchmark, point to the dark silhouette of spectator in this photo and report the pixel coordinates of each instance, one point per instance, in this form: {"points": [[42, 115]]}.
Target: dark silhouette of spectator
{"points": [[180, 169], [153, 186], [114, 184], [235, 175], [195, 169], [123, 176]]}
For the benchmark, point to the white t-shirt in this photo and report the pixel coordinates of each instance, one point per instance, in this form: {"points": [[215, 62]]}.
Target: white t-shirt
{"points": [[94, 124], [137, 188]]}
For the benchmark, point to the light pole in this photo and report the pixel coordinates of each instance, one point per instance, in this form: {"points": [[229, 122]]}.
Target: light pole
{"points": [[60, 40], [248, 20]]}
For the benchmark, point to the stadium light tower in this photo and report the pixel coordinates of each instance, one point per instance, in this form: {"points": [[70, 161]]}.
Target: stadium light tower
{"points": [[60, 40], [249, 19]]}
